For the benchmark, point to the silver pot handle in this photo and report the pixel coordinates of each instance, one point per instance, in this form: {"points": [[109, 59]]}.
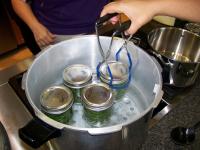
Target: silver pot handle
{"points": [[161, 59], [23, 85], [157, 88], [98, 131], [158, 95]]}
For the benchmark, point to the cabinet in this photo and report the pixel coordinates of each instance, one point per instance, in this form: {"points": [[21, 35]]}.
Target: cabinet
{"points": [[10, 36]]}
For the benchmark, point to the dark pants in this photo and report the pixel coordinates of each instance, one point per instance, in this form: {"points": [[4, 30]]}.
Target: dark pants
{"points": [[25, 30]]}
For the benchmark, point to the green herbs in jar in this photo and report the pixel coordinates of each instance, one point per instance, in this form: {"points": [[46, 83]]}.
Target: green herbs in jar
{"points": [[97, 101], [120, 77], [56, 103], [76, 77]]}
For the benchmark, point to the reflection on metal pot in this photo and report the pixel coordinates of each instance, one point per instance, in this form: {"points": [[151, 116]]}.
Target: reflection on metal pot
{"points": [[193, 27], [179, 52], [175, 56]]}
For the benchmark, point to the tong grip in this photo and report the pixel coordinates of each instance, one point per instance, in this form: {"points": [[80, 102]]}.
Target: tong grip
{"points": [[105, 18], [123, 27]]}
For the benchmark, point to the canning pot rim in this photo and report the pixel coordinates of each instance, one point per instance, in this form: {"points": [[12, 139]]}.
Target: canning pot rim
{"points": [[101, 130], [170, 59]]}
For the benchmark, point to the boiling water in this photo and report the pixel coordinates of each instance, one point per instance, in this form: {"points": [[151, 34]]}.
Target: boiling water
{"points": [[123, 109]]}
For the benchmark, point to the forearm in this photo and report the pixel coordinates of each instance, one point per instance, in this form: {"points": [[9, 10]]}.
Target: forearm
{"points": [[183, 9], [24, 11]]}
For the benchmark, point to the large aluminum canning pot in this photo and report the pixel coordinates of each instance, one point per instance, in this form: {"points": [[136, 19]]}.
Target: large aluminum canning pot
{"points": [[179, 52], [127, 127]]}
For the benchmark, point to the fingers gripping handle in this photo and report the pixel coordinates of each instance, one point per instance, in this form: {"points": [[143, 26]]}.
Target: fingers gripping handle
{"points": [[123, 27], [105, 18]]}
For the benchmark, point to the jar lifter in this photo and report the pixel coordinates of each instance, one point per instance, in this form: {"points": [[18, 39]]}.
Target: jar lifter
{"points": [[119, 30]]}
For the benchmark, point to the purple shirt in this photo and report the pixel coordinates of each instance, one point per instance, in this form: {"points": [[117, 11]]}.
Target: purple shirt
{"points": [[68, 17]]}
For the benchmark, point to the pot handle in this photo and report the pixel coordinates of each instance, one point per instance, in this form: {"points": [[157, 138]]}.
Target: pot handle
{"points": [[36, 133], [136, 40], [98, 131], [157, 89], [158, 95], [122, 27], [185, 72], [161, 59], [23, 85]]}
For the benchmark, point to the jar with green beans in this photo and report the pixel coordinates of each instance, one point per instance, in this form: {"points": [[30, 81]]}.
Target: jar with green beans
{"points": [[76, 77], [56, 102], [120, 77], [97, 101]]}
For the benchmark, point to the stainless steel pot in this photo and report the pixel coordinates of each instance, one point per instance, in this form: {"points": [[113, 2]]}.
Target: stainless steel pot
{"points": [[127, 132], [193, 27], [179, 52]]}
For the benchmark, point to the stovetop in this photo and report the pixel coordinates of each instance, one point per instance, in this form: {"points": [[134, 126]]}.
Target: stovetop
{"points": [[16, 83], [166, 105]]}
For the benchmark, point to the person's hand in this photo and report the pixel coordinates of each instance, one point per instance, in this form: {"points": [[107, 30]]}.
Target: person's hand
{"points": [[138, 11], [42, 35]]}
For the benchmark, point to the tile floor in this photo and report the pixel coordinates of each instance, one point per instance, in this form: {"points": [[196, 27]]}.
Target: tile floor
{"points": [[10, 58]]}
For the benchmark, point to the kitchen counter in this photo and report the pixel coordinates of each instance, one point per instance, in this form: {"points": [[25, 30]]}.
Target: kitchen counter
{"points": [[185, 113], [13, 114]]}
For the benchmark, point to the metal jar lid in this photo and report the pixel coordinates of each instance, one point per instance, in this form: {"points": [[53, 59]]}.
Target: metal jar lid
{"points": [[118, 69], [56, 99], [97, 97], [77, 75]]}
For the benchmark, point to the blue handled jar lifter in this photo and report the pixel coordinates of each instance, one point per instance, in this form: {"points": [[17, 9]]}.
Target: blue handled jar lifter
{"points": [[111, 79]]}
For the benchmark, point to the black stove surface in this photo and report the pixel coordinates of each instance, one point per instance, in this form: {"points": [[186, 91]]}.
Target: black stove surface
{"points": [[16, 83]]}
